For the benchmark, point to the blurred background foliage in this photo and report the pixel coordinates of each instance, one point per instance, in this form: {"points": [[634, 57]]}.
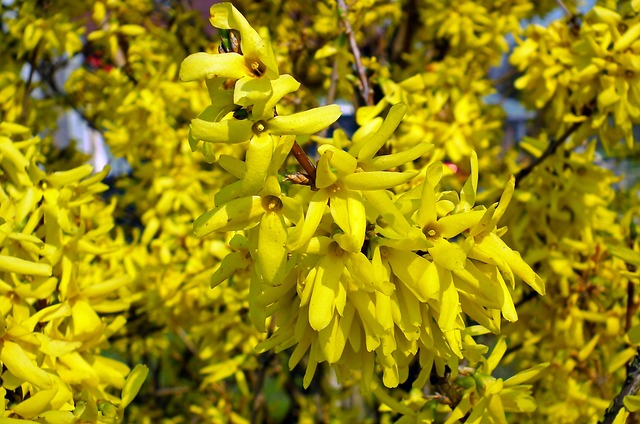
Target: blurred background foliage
{"points": [[554, 101]]}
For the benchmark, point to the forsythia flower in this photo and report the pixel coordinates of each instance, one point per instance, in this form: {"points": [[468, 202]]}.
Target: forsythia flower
{"points": [[247, 108], [350, 272]]}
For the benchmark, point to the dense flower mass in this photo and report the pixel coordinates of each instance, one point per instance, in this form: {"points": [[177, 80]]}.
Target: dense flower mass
{"points": [[449, 244], [349, 271]]}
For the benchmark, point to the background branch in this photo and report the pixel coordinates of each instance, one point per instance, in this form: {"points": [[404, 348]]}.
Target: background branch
{"points": [[630, 387], [551, 149], [564, 8], [28, 87], [365, 90], [258, 403]]}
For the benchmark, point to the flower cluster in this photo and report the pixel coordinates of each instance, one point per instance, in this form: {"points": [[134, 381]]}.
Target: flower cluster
{"points": [[349, 271]]}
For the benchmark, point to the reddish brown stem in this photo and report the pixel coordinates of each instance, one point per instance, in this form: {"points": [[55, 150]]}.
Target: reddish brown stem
{"points": [[304, 162]]}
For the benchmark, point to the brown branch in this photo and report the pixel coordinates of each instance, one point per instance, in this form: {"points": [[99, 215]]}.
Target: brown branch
{"points": [[551, 149], [258, 402], [630, 387], [365, 90], [631, 306], [305, 163], [46, 72], [28, 88], [404, 34]]}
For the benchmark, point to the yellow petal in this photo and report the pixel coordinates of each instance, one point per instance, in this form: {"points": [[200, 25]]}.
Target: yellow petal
{"points": [[381, 163], [496, 355], [478, 286], [631, 34], [231, 264], [232, 215], [342, 161], [132, 384], [379, 200], [307, 122], [258, 162], [61, 178], [505, 198], [228, 131], [427, 212], [384, 311], [377, 180], [377, 140], [85, 319], [324, 175], [333, 339], [632, 402], [495, 247], [233, 166], [371, 277], [202, 65], [526, 376], [449, 302], [349, 213], [366, 309], [452, 225], [36, 404], [364, 133], [21, 266], [226, 16], [325, 290], [272, 248], [410, 268], [468, 193], [249, 91], [285, 84], [20, 365], [303, 232], [447, 255]]}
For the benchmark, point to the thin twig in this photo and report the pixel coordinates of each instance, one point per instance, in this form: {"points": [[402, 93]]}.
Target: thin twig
{"points": [[264, 363], [365, 91], [27, 87], [331, 95], [49, 78], [630, 387], [551, 149], [564, 8], [631, 305]]}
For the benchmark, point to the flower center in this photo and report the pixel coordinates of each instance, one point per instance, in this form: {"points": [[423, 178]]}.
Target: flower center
{"points": [[271, 203], [259, 127]]}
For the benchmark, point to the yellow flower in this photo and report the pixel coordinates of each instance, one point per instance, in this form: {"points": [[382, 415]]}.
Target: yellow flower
{"points": [[255, 60]]}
